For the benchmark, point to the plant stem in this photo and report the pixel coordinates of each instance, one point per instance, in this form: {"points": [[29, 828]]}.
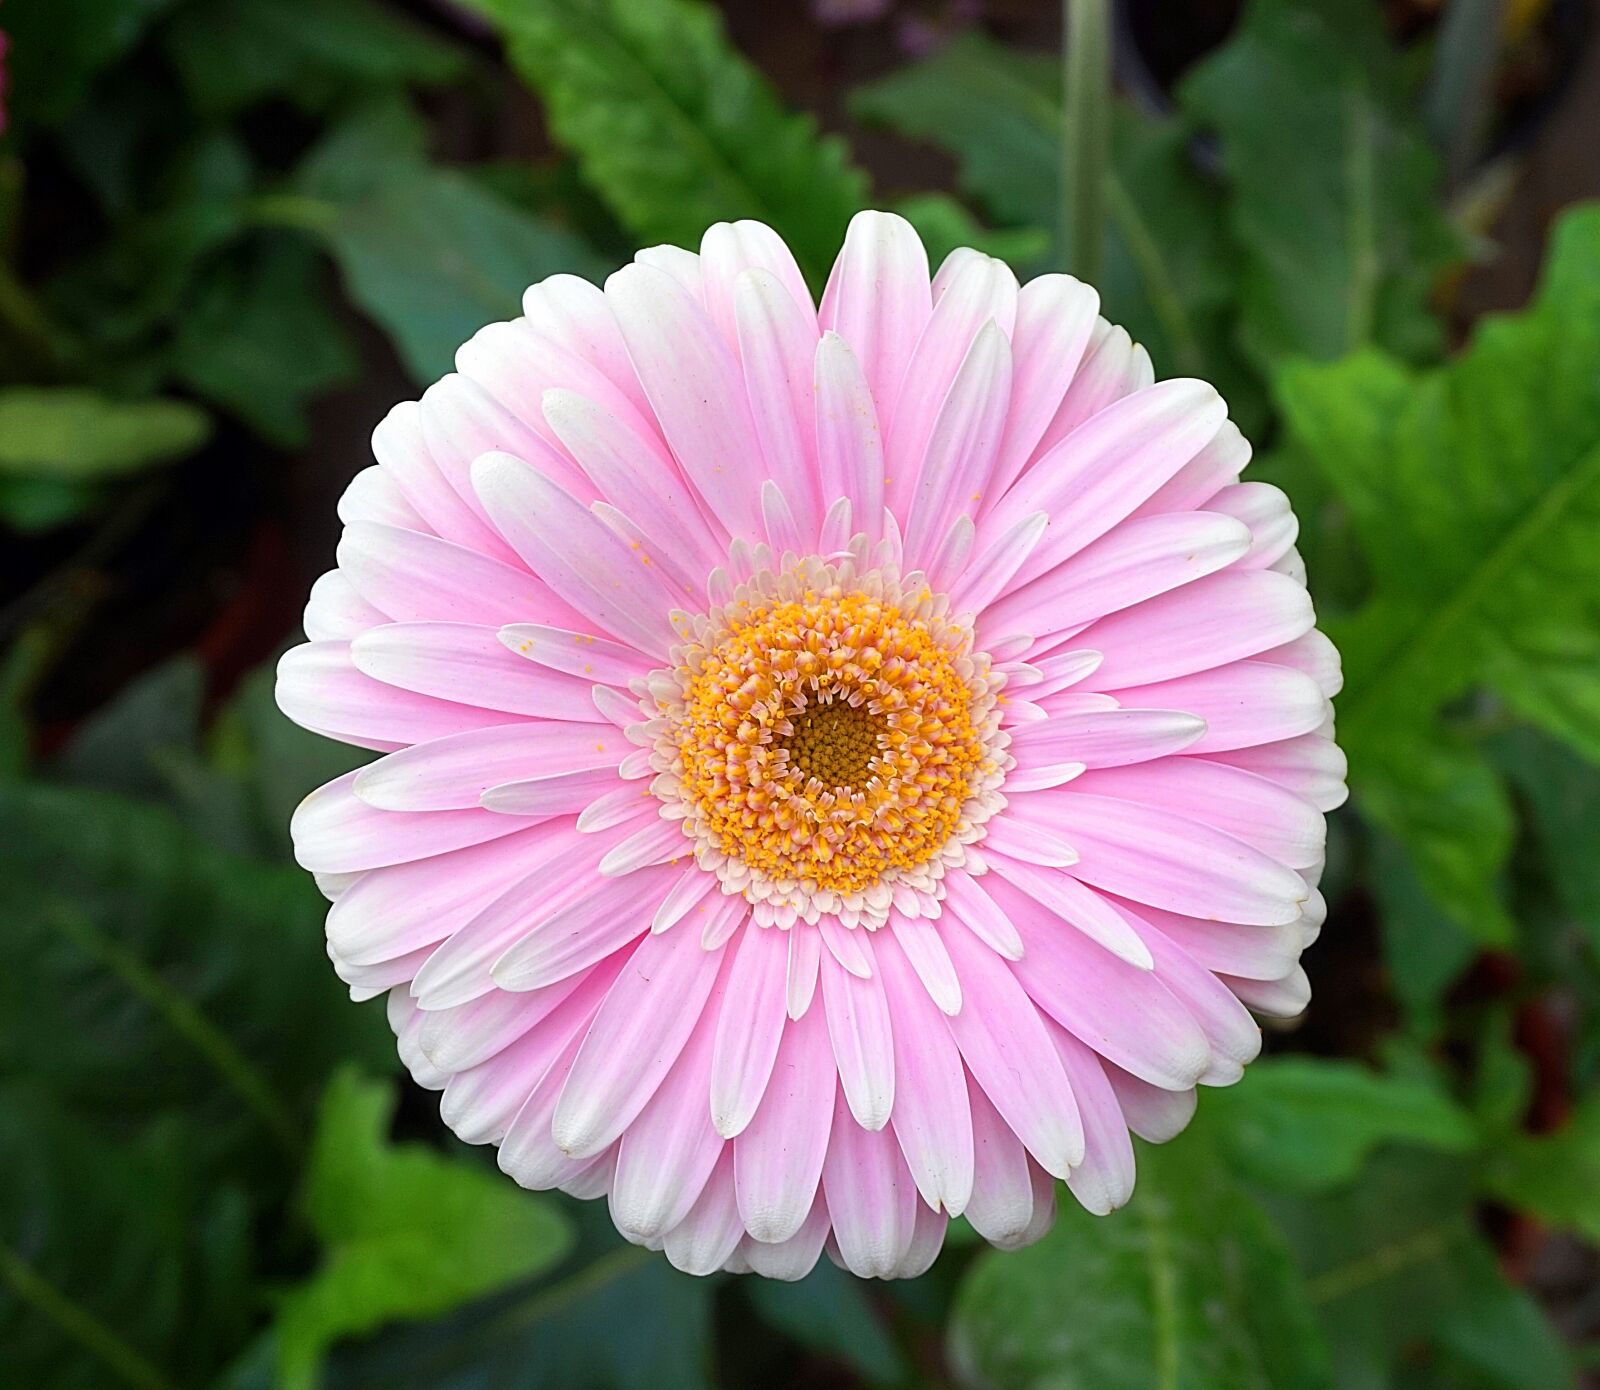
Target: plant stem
{"points": [[1085, 133], [78, 1323]]}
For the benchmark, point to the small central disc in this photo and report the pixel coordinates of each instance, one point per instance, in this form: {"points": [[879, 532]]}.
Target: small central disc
{"points": [[836, 743]]}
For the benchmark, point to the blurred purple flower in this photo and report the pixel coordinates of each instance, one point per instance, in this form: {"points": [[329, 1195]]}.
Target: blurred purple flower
{"points": [[843, 12]]}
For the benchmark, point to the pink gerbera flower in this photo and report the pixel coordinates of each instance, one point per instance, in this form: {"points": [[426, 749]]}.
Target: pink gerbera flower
{"points": [[843, 769]]}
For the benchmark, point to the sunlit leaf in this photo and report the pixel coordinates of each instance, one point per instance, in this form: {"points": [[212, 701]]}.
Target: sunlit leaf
{"points": [[1187, 1286], [1306, 1124], [72, 434], [674, 129], [407, 1232]]}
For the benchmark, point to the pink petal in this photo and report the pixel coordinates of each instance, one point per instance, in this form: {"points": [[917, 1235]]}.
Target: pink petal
{"points": [[731, 250], [777, 340], [980, 290], [468, 663], [418, 578], [1209, 623], [593, 570], [871, 1197], [778, 1159], [879, 300], [1001, 1206], [1104, 1180], [1055, 318], [749, 1029], [573, 314], [952, 476], [1009, 1054], [1309, 765], [1113, 367], [707, 1237], [451, 774], [931, 1118], [849, 444], [335, 832], [634, 1040], [860, 1031], [1106, 738], [694, 385], [1247, 703], [1134, 562], [1078, 907], [1154, 1113], [374, 496], [924, 950], [1124, 1014], [335, 610]]}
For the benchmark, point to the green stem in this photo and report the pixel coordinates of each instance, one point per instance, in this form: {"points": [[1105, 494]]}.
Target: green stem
{"points": [[293, 210], [1382, 1263], [1085, 134], [188, 1023], [78, 1323]]}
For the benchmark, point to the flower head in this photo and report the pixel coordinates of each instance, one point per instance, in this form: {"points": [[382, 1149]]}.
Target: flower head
{"points": [[843, 768]]}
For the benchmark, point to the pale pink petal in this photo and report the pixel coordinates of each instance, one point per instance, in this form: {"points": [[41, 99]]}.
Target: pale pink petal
{"points": [[1009, 1054], [335, 610], [924, 949], [749, 1029], [879, 299], [574, 315], [1155, 1113], [1001, 1206], [729, 251], [467, 663], [594, 571], [635, 1038], [1136, 561], [931, 1117], [417, 578], [374, 496], [952, 476], [335, 832], [1247, 703], [1285, 998], [1078, 907], [1104, 1180], [693, 382], [778, 1158], [1125, 1014], [794, 1258], [849, 443], [1310, 765], [777, 339], [1112, 368], [707, 1237], [871, 1196], [860, 1031], [1055, 319]]}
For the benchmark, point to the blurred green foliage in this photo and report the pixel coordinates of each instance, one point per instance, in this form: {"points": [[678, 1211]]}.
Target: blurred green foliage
{"points": [[215, 1177]]}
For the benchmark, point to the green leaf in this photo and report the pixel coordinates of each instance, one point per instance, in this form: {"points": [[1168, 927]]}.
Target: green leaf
{"points": [[408, 1232], [230, 54], [145, 972], [1555, 1176], [1187, 1288], [429, 253], [1475, 491], [828, 1312], [1306, 1125], [72, 434], [1168, 274], [674, 129], [260, 339], [1335, 189], [1408, 1291]]}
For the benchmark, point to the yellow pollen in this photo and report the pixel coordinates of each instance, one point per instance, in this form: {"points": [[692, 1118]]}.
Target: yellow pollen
{"points": [[827, 738]]}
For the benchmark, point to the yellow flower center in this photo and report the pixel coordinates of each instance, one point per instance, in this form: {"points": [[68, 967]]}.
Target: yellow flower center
{"points": [[826, 736]]}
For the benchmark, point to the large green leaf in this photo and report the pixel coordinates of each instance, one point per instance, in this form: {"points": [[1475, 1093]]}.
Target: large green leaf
{"points": [[1168, 276], [1408, 1290], [408, 1232], [72, 434], [144, 971], [1186, 1288], [828, 1311], [1306, 1125], [58, 47], [260, 339], [431, 254], [675, 130], [1475, 491], [1335, 190]]}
